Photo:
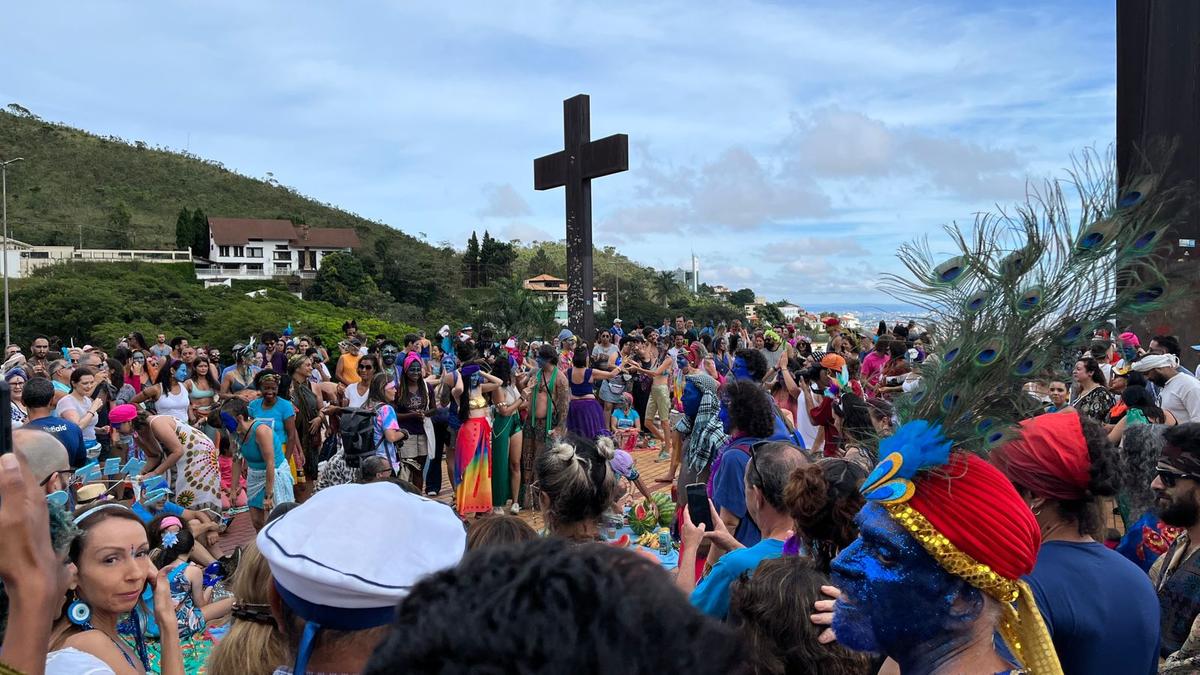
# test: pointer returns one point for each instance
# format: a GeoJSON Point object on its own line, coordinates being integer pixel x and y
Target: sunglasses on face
{"type": "Point", "coordinates": [365, 366]}
{"type": "Point", "coordinates": [1170, 478]}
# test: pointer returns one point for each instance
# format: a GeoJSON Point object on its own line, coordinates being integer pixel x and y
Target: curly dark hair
{"type": "Point", "coordinates": [756, 363]}
{"type": "Point", "coordinates": [770, 611]}
{"type": "Point", "coordinates": [1140, 447]}
{"type": "Point", "coordinates": [856, 419]}
{"type": "Point", "coordinates": [823, 499]}
{"type": "Point", "coordinates": [1085, 511]}
{"type": "Point", "coordinates": [584, 609]}
{"type": "Point", "coordinates": [750, 409]}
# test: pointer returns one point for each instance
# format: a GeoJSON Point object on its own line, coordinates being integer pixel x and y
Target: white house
{"type": "Point", "coordinates": [791, 312]}
{"type": "Point", "coordinates": [24, 258]}
{"type": "Point", "coordinates": [556, 288]}
{"type": "Point", "coordinates": [251, 248]}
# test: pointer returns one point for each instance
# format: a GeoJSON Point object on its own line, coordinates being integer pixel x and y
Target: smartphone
{"type": "Point", "coordinates": [6, 421]}
{"type": "Point", "coordinates": [697, 504]}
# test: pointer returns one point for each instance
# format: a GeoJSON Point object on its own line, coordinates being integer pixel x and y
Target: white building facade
{"type": "Point", "coordinates": [248, 248]}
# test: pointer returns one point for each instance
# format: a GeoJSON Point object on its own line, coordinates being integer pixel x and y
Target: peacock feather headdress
{"type": "Point", "coordinates": [1025, 289]}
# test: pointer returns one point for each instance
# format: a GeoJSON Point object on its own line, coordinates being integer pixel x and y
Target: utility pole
{"type": "Point", "coordinates": [618, 296]}
{"type": "Point", "coordinates": [4, 199]}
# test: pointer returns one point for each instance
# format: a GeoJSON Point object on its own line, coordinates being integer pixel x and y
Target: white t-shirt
{"type": "Point", "coordinates": [1181, 397]}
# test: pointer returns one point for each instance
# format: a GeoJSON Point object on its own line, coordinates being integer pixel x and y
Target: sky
{"type": "Point", "coordinates": [792, 146]}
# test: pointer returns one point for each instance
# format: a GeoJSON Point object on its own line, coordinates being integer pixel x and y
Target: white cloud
{"type": "Point", "coordinates": [525, 232]}
{"type": "Point", "coordinates": [503, 202]}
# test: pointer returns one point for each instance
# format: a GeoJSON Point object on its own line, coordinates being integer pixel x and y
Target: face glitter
{"type": "Point", "coordinates": [896, 597]}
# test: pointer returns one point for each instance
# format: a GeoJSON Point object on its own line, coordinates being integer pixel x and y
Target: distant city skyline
{"type": "Point", "coordinates": [792, 146]}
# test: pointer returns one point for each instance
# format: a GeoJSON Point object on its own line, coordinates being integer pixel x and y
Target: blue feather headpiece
{"type": "Point", "coordinates": [915, 446]}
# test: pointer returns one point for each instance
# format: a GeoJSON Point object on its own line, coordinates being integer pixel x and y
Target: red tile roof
{"type": "Point", "coordinates": [239, 231]}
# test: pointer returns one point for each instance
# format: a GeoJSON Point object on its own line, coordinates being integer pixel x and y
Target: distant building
{"type": "Point", "coordinates": [556, 288]}
{"type": "Point", "coordinates": [24, 258]}
{"type": "Point", "coordinates": [722, 291]}
{"type": "Point", "coordinates": [790, 312]}
{"type": "Point", "coordinates": [250, 248]}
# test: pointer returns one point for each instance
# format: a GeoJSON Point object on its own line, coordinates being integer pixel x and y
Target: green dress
{"type": "Point", "coordinates": [503, 429]}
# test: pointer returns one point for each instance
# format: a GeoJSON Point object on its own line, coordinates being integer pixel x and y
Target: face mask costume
{"type": "Point", "coordinates": [389, 352]}
{"type": "Point", "coordinates": [945, 538]}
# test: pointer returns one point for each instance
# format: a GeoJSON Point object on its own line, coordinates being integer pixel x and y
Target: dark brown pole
{"type": "Point", "coordinates": [576, 133]}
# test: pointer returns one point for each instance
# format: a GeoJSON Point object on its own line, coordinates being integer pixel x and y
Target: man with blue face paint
{"type": "Point", "coordinates": [929, 586]}
{"type": "Point", "coordinates": [749, 364]}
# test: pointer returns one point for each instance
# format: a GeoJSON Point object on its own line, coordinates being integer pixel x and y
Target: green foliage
{"type": "Point", "coordinates": [541, 264]}
{"type": "Point", "coordinates": [741, 297]}
{"type": "Point", "coordinates": [100, 302]}
{"type": "Point", "coordinates": [183, 230]}
{"type": "Point", "coordinates": [770, 314]}
{"type": "Point", "coordinates": [495, 259]}
{"type": "Point", "coordinates": [471, 262]}
{"type": "Point", "coordinates": [341, 280]}
{"type": "Point", "coordinates": [199, 230]}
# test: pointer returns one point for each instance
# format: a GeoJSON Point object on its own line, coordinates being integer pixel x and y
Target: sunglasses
{"type": "Point", "coordinates": [1170, 478]}
{"type": "Point", "coordinates": [366, 366]}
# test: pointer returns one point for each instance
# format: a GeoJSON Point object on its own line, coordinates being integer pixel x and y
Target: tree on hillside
{"type": "Point", "coordinates": [495, 259]}
{"type": "Point", "coordinates": [199, 243]}
{"type": "Point", "coordinates": [741, 297]}
{"type": "Point", "coordinates": [341, 280]}
{"type": "Point", "coordinates": [471, 262]}
{"type": "Point", "coordinates": [540, 264]}
{"type": "Point", "coordinates": [665, 287]}
{"type": "Point", "coordinates": [117, 222]}
{"type": "Point", "coordinates": [770, 314]}
{"type": "Point", "coordinates": [183, 230]}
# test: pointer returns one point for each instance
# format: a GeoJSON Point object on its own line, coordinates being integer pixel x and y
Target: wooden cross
{"type": "Point", "coordinates": [574, 167]}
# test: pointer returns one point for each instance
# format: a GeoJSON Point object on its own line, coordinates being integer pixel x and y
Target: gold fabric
{"type": "Point", "coordinates": [1021, 623]}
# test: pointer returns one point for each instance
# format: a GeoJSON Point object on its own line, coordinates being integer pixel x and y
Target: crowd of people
{"type": "Point", "coordinates": [389, 484]}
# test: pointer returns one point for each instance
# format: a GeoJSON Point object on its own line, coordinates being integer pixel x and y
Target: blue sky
{"type": "Point", "coordinates": [791, 145]}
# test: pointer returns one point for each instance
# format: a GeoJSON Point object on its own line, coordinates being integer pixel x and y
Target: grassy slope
{"type": "Point", "coordinates": [71, 177]}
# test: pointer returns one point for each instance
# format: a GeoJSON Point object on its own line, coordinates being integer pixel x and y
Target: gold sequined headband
{"type": "Point", "coordinates": [1021, 623]}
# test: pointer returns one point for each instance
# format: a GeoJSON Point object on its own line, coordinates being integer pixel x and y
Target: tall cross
{"type": "Point", "coordinates": [574, 167]}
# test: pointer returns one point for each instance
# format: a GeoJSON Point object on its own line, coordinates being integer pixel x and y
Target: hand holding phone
{"type": "Point", "coordinates": [698, 508]}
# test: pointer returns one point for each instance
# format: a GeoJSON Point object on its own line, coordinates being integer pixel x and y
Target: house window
{"type": "Point", "coordinates": [282, 268]}
{"type": "Point", "coordinates": [283, 255]}
{"type": "Point", "coordinates": [281, 247]}
{"type": "Point", "coordinates": [239, 251]}
{"type": "Point", "coordinates": [254, 252]}
{"type": "Point", "coordinates": [224, 251]}
{"type": "Point", "coordinates": [254, 267]}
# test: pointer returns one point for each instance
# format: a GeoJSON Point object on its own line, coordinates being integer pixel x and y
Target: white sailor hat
{"type": "Point", "coordinates": [344, 558]}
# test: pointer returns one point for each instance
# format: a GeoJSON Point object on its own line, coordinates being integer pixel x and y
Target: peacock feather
{"type": "Point", "coordinates": [1025, 289]}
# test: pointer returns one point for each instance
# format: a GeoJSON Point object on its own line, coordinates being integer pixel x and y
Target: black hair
{"type": "Point", "coordinates": [1137, 396]}
{"type": "Point", "coordinates": [773, 464]}
{"type": "Point", "coordinates": [1140, 449]}
{"type": "Point", "coordinates": [410, 339]}
{"type": "Point", "coordinates": [166, 372]}
{"type": "Point", "coordinates": [823, 499]}
{"type": "Point", "coordinates": [856, 418]}
{"type": "Point", "coordinates": [1184, 436]}
{"type": "Point", "coordinates": [116, 373]}
{"type": "Point", "coordinates": [897, 349]}
{"type": "Point", "coordinates": [38, 393]}
{"type": "Point", "coordinates": [750, 409]}
{"type": "Point", "coordinates": [184, 541]}
{"type": "Point", "coordinates": [1102, 481]}
{"type": "Point", "coordinates": [268, 337]}
{"type": "Point", "coordinates": [235, 406]}
{"type": "Point", "coordinates": [579, 358]}
{"type": "Point", "coordinates": [882, 329]}
{"type": "Point", "coordinates": [465, 351]}
{"type": "Point", "coordinates": [546, 352]}
{"type": "Point", "coordinates": [1093, 368]}
{"type": "Point", "coordinates": [502, 369]}
{"type": "Point", "coordinates": [498, 531]}
{"type": "Point", "coordinates": [1168, 342]}
{"type": "Point", "coordinates": [585, 609]}
{"type": "Point", "coordinates": [176, 341]}
{"type": "Point", "coordinates": [756, 363]}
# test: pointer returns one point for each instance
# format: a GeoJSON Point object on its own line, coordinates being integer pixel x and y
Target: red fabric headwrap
{"type": "Point", "coordinates": [1050, 457]}
{"type": "Point", "coordinates": [974, 506]}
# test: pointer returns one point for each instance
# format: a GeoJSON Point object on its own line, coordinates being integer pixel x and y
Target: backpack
{"type": "Point", "coordinates": [357, 434]}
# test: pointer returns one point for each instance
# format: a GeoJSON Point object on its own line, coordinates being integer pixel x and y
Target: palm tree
{"type": "Point", "coordinates": [665, 287]}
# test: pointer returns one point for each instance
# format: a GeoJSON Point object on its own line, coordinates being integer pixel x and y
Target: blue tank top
{"type": "Point", "coordinates": [250, 450]}
{"type": "Point", "coordinates": [583, 388]}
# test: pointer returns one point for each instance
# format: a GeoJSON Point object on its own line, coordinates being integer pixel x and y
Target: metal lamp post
{"type": "Point", "coordinates": [4, 201]}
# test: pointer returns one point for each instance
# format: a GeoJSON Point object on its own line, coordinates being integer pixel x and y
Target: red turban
{"type": "Point", "coordinates": [1050, 457]}
{"type": "Point", "coordinates": [974, 506]}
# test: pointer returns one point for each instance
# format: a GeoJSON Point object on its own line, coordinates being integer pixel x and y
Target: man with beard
{"type": "Point", "coordinates": [39, 360]}
{"type": "Point", "coordinates": [1178, 395]}
{"type": "Point", "coordinates": [1176, 574]}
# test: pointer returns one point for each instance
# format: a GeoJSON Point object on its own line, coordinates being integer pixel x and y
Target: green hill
{"type": "Point", "coordinates": [71, 178]}
{"type": "Point", "coordinates": [120, 193]}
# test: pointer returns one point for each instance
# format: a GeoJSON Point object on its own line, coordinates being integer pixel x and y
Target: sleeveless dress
{"type": "Point", "coordinates": [197, 479]}
{"type": "Point", "coordinates": [195, 641]}
{"type": "Point", "coordinates": [504, 427]}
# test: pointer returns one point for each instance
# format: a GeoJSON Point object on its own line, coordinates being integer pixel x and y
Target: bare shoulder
{"type": "Point", "coordinates": [100, 646]}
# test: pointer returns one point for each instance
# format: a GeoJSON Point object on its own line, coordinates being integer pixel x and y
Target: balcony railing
{"type": "Point", "coordinates": [243, 273]}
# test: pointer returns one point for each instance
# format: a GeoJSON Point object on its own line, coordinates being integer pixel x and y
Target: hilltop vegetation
{"type": "Point", "coordinates": [121, 193]}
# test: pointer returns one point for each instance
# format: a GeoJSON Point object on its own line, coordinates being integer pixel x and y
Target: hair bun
{"type": "Point", "coordinates": [605, 446]}
{"type": "Point", "coordinates": [563, 452]}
